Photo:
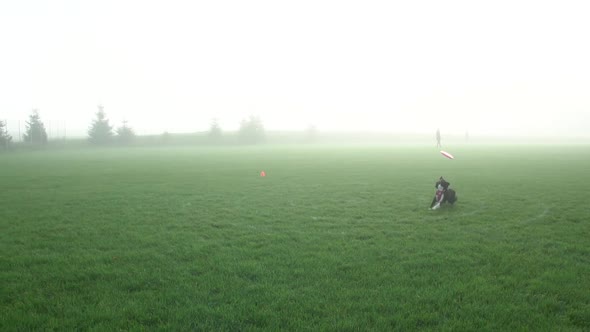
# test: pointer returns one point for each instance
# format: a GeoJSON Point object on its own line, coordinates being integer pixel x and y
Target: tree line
{"type": "Point", "coordinates": [101, 132]}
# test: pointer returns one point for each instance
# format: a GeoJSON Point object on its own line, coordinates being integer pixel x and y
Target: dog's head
{"type": "Point", "coordinates": [443, 183]}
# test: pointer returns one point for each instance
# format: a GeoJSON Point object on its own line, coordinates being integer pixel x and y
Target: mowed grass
{"type": "Point", "coordinates": [333, 238]}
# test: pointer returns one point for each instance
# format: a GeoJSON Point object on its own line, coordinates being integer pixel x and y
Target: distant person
{"type": "Point", "coordinates": [438, 145]}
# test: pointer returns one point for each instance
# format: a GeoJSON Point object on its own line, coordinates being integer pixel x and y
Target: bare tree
{"type": "Point", "coordinates": [252, 130]}
{"type": "Point", "coordinates": [215, 132]}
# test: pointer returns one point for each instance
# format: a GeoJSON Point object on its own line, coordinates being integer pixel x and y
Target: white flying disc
{"type": "Point", "coordinates": [446, 154]}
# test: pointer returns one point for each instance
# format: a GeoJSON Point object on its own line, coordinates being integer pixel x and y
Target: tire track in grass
{"type": "Point", "coordinates": [540, 216]}
{"type": "Point", "coordinates": [521, 219]}
{"type": "Point", "coordinates": [482, 207]}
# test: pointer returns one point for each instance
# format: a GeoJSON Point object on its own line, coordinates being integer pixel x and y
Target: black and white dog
{"type": "Point", "coordinates": [443, 194]}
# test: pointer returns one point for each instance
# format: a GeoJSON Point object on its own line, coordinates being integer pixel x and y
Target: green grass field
{"type": "Point", "coordinates": [333, 238]}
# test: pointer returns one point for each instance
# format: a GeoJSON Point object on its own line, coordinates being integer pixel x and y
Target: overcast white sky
{"type": "Point", "coordinates": [490, 67]}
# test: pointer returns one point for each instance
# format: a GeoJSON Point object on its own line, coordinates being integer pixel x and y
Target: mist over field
{"type": "Point", "coordinates": [501, 69]}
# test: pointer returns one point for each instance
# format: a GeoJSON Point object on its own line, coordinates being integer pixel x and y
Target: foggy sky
{"type": "Point", "coordinates": [495, 67]}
